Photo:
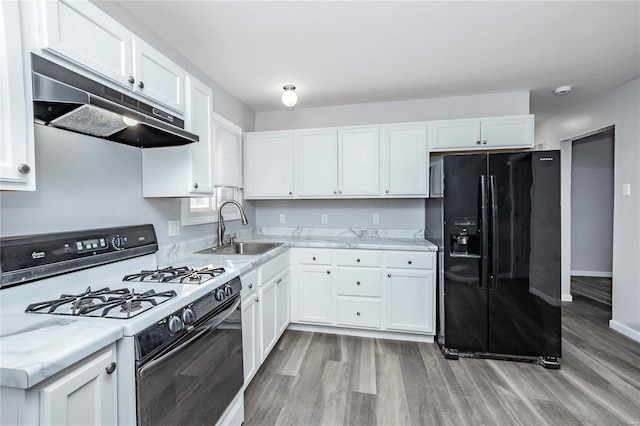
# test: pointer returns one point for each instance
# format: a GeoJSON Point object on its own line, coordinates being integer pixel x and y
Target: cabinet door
{"type": "Point", "coordinates": [157, 77]}
{"type": "Point", "coordinates": [268, 319]}
{"type": "Point", "coordinates": [359, 161]}
{"type": "Point", "coordinates": [268, 165]}
{"type": "Point", "coordinates": [199, 121]}
{"type": "Point", "coordinates": [250, 336]}
{"type": "Point", "coordinates": [16, 114]}
{"type": "Point", "coordinates": [81, 32]}
{"type": "Point", "coordinates": [507, 132]}
{"type": "Point", "coordinates": [84, 396]}
{"type": "Point", "coordinates": [315, 294]}
{"type": "Point", "coordinates": [451, 135]}
{"type": "Point", "coordinates": [282, 309]}
{"type": "Point", "coordinates": [410, 300]}
{"type": "Point", "coordinates": [318, 163]}
{"type": "Point", "coordinates": [405, 160]}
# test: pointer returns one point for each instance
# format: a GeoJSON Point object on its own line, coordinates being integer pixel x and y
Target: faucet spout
{"type": "Point", "coordinates": [221, 225]}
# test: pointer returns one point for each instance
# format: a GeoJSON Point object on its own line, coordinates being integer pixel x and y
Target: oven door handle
{"type": "Point", "coordinates": [155, 363]}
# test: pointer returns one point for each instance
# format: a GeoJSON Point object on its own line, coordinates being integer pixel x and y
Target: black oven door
{"type": "Point", "coordinates": [193, 381]}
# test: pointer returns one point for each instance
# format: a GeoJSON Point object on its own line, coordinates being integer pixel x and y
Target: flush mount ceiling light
{"type": "Point", "coordinates": [289, 96]}
{"type": "Point", "coordinates": [562, 90]}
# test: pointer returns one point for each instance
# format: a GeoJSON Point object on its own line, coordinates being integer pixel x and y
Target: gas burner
{"type": "Point", "coordinates": [179, 275]}
{"type": "Point", "coordinates": [102, 303]}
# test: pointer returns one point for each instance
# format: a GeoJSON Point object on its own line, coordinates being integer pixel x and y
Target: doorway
{"type": "Point", "coordinates": [592, 191]}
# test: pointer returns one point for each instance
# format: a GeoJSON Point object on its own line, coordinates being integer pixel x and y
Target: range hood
{"type": "Point", "coordinates": [70, 101]}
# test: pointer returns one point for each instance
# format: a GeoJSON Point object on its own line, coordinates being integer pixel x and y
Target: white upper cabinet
{"type": "Point", "coordinates": [482, 134]}
{"type": "Point", "coordinates": [405, 160]}
{"type": "Point", "coordinates": [269, 164]}
{"type": "Point", "coordinates": [82, 33]}
{"type": "Point", "coordinates": [339, 162]}
{"type": "Point", "coordinates": [17, 156]}
{"type": "Point", "coordinates": [184, 171]}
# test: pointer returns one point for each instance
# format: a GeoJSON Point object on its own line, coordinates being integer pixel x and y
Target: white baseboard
{"type": "Point", "coordinates": [598, 274]}
{"type": "Point", "coordinates": [626, 330]}
{"type": "Point", "coordinates": [567, 298]}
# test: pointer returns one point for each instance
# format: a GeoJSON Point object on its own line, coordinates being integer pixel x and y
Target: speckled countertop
{"type": "Point", "coordinates": [32, 348]}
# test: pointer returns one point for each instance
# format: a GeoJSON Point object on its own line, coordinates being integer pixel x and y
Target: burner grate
{"type": "Point", "coordinates": [179, 275]}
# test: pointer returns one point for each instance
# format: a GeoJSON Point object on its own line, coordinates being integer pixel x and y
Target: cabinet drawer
{"type": "Point", "coordinates": [359, 312]}
{"type": "Point", "coordinates": [411, 259]}
{"type": "Point", "coordinates": [314, 256]}
{"type": "Point", "coordinates": [249, 281]}
{"type": "Point", "coordinates": [359, 282]}
{"type": "Point", "coordinates": [274, 266]}
{"type": "Point", "coordinates": [358, 258]}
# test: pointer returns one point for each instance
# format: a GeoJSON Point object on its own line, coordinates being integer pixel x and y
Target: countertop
{"type": "Point", "coordinates": [30, 345]}
{"type": "Point", "coordinates": [35, 347]}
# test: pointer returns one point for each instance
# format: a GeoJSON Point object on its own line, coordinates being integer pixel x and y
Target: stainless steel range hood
{"type": "Point", "coordinates": [70, 101]}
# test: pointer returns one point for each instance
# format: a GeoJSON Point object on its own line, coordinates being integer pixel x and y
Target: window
{"type": "Point", "coordinates": [196, 211]}
{"type": "Point", "coordinates": [227, 177]}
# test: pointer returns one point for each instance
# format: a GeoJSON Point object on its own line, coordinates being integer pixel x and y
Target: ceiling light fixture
{"type": "Point", "coordinates": [289, 96]}
{"type": "Point", "coordinates": [562, 90]}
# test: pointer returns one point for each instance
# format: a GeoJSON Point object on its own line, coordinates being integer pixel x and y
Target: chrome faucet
{"type": "Point", "coordinates": [221, 225]}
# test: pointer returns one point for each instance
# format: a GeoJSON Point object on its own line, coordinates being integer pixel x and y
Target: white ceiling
{"type": "Point", "coordinates": [344, 52]}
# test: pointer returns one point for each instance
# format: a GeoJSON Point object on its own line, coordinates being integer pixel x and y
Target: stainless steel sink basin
{"type": "Point", "coordinates": [248, 248]}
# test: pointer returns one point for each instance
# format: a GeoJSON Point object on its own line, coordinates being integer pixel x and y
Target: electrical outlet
{"type": "Point", "coordinates": [282, 218]}
{"type": "Point", "coordinates": [324, 218]}
{"type": "Point", "coordinates": [174, 228]}
{"type": "Point", "coordinates": [376, 218]}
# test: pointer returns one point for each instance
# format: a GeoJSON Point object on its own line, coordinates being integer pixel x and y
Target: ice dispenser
{"type": "Point", "coordinates": [465, 238]}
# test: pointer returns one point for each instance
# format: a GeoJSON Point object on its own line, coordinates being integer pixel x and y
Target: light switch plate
{"type": "Point", "coordinates": [324, 218]}
{"type": "Point", "coordinates": [174, 228]}
{"type": "Point", "coordinates": [626, 190]}
{"type": "Point", "coordinates": [282, 218]}
{"type": "Point", "coordinates": [376, 218]}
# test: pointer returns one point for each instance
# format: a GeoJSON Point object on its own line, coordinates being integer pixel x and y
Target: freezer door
{"type": "Point", "coordinates": [465, 293]}
{"type": "Point", "coordinates": [524, 287]}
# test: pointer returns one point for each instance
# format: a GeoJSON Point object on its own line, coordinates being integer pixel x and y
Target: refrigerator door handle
{"type": "Point", "coordinates": [494, 233]}
{"type": "Point", "coordinates": [484, 233]}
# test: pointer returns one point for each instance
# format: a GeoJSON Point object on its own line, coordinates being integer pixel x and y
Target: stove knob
{"type": "Point", "coordinates": [118, 242]}
{"type": "Point", "coordinates": [175, 324]}
{"type": "Point", "coordinates": [228, 290]}
{"type": "Point", "coordinates": [220, 295]}
{"type": "Point", "coordinates": [188, 316]}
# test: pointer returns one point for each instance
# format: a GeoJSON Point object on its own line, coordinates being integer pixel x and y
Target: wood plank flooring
{"type": "Point", "coordinates": [321, 379]}
{"type": "Point", "coordinates": [595, 288]}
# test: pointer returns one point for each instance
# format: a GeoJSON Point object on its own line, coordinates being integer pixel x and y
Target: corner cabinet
{"type": "Point", "coordinates": [82, 33]}
{"type": "Point", "coordinates": [269, 164]}
{"type": "Point", "coordinates": [184, 171]}
{"type": "Point", "coordinates": [17, 157]}
{"type": "Point", "coordinates": [482, 134]}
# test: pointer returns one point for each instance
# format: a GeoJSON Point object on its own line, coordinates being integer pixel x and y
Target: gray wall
{"type": "Point", "coordinates": [620, 108]}
{"type": "Point", "coordinates": [592, 205]}
{"type": "Point", "coordinates": [394, 214]}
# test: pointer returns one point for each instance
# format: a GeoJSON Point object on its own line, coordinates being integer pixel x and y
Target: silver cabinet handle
{"type": "Point", "coordinates": [340, 192]}
{"type": "Point", "coordinates": [141, 85]}
{"type": "Point", "coordinates": [279, 281]}
{"type": "Point", "coordinates": [111, 368]}
{"type": "Point", "coordinates": [195, 185]}
{"type": "Point", "coordinates": [131, 79]}
{"type": "Point", "coordinates": [314, 258]}
{"type": "Point", "coordinates": [290, 193]}
{"type": "Point", "coordinates": [257, 300]}
{"type": "Point", "coordinates": [328, 272]}
{"type": "Point", "coordinates": [358, 313]}
{"type": "Point", "coordinates": [24, 169]}
{"type": "Point", "coordinates": [484, 142]}
{"type": "Point", "coordinates": [335, 192]}
{"type": "Point", "coordinates": [389, 275]}
{"type": "Point", "coordinates": [357, 282]}
{"type": "Point", "coordinates": [358, 260]}
{"type": "Point", "coordinates": [409, 262]}
{"type": "Point", "coordinates": [250, 285]}
{"type": "Point", "coordinates": [477, 142]}
{"type": "Point", "coordinates": [386, 191]}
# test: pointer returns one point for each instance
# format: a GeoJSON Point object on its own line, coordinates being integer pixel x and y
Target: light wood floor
{"type": "Point", "coordinates": [321, 379]}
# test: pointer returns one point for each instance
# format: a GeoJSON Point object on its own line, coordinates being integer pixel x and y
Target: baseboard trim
{"type": "Point", "coordinates": [391, 335]}
{"type": "Point", "coordinates": [626, 330]}
{"type": "Point", "coordinates": [567, 298]}
{"type": "Point", "coordinates": [596, 274]}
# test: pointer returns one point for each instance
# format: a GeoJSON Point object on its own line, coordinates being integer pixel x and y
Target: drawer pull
{"type": "Point", "coordinates": [409, 262]}
{"type": "Point", "coordinates": [250, 285]}
{"type": "Point", "coordinates": [389, 275]}
{"type": "Point", "coordinates": [358, 260]}
{"type": "Point", "coordinates": [111, 368]}
{"type": "Point", "coordinates": [328, 272]}
{"type": "Point", "coordinates": [357, 282]}
{"type": "Point", "coordinates": [358, 313]}
{"type": "Point", "coordinates": [279, 281]}
{"type": "Point", "coordinates": [257, 300]}
{"type": "Point", "coordinates": [314, 258]}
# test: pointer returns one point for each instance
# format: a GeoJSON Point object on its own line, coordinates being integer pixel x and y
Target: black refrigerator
{"type": "Point", "coordinates": [501, 287]}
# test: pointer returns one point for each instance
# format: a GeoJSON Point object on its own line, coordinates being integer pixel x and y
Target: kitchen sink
{"type": "Point", "coordinates": [248, 248]}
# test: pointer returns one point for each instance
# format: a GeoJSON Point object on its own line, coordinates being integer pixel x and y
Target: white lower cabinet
{"type": "Point", "coordinates": [85, 395]}
{"type": "Point", "coordinates": [373, 289]}
{"type": "Point", "coordinates": [265, 311]}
